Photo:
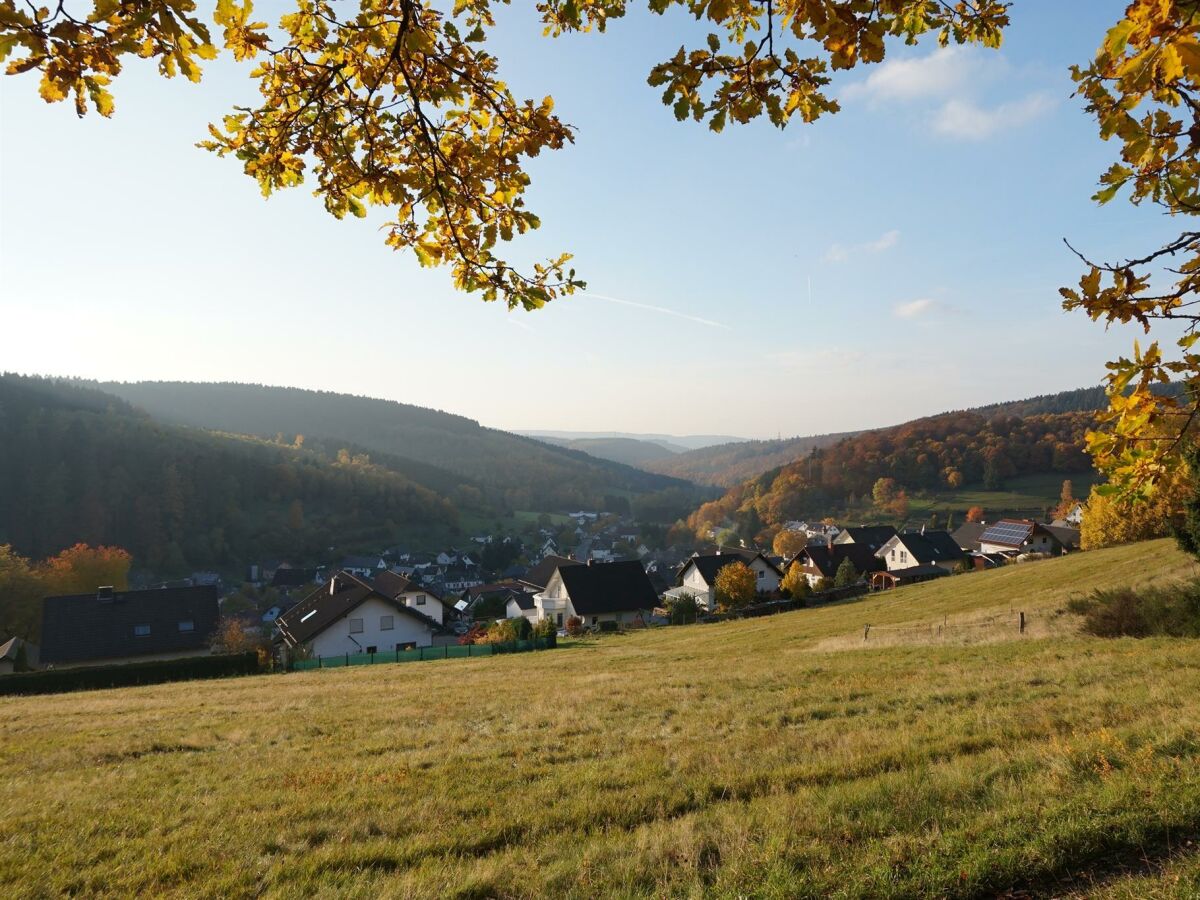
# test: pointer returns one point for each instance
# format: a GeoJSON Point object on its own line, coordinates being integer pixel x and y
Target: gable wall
{"type": "Point", "coordinates": [336, 639]}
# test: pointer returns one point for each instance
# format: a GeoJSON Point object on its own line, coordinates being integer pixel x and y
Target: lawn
{"type": "Point", "coordinates": [732, 759]}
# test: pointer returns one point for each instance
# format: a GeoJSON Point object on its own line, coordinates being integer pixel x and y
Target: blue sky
{"type": "Point", "coordinates": [897, 259]}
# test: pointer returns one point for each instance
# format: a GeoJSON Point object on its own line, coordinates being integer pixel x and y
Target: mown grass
{"type": "Point", "coordinates": [721, 760]}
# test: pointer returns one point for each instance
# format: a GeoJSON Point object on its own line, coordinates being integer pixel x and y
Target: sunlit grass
{"type": "Point", "coordinates": [706, 760]}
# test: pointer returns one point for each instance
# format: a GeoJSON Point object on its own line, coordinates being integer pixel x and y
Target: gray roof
{"type": "Point", "coordinates": [94, 627]}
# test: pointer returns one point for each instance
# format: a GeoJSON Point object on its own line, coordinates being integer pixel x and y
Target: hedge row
{"type": "Point", "coordinates": [57, 681]}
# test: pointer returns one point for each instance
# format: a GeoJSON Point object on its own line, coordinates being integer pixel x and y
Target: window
{"type": "Point", "coordinates": [187, 625]}
{"type": "Point", "coordinates": [761, 573]}
{"type": "Point", "coordinates": [558, 620]}
{"type": "Point", "coordinates": [407, 645]}
{"type": "Point", "coordinates": [387, 623]}
{"type": "Point", "coordinates": [356, 626]}
{"type": "Point", "coordinates": [420, 599]}
{"type": "Point", "coordinates": [372, 649]}
{"type": "Point", "coordinates": [903, 556]}
{"type": "Point", "coordinates": [595, 620]}
{"type": "Point", "coordinates": [141, 631]}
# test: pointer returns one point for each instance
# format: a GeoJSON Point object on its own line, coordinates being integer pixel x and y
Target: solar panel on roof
{"type": "Point", "coordinates": [1006, 533]}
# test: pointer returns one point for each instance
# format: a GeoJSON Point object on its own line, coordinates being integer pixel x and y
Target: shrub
{"type": "Point", "coordinates": [574, 626]}
{"type": "Point", "coordinates": [683, 610]}
{"type": "Point", "coordinates": [1171, 610]}
{"type": "Point", "coordinates": [475, 636]}
{"type": "Point", "coordinates": [545, 627]}
{"type": "Point", "coordinates": [56, 681]}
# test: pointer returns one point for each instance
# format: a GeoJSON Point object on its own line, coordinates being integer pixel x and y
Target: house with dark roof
{"type": "Point", "coordinates": [599, 592]}
{"type": "Point", "coordinates": [1016, 536]}
{"type": "Point", "coordinates": [820, 561]}
{"type": "Point", "coordinates": [287, 579]}
{"type": "Point", "coordinates": [698, 577]}
{"type": "Point", "coordinates": [873, 536]}
{"type": "Point", "coordinates": [107, 626]}
{"type": "Point", "coordinates": [539, 576]}
{"type": "Point", "coordinates": [967, 535]}
{"type": "Point", "coordinates": [521, 603]}
{"type": "Point", "coordinates": [922, 548]}
{"type": "Point", "coordinates": [349, 614]}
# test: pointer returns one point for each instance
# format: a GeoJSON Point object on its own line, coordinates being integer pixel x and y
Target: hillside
{"type": "Point", "coordinates": [940, 455]}
{"type": "Point", "coordinates": [630, 451]}
{"type": "Point", "coordinates": [727, 465]}
{"type": "Point", "coordinates": [80, 465]}
{"type": "Point", "coordinates": [721, 760]}
{"type": "Point", "coordinates": [510, 471]}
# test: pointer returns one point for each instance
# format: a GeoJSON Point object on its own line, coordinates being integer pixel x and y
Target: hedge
{"type": "Point", "coordinates": [57, 681]}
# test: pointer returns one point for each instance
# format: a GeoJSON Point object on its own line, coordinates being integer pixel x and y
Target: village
{"type": "Point", "coordinates": [382, 606]}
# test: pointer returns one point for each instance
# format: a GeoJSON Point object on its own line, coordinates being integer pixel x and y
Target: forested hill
{"type": "Point", "coordinates": [728, 465]}
{"type": "Point", "coordinates": [725, 465]}
{"type": "Point", "coordinates": [77, 464]}
{"type": "Point", "coordinates": [495, 468]}
{"type": "Point", "coordinates": [939, 453]}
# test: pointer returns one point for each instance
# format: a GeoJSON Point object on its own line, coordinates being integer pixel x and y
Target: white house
{"type": "Point", "coordinates": [699, 574]}
{"type": "Point", "coordinates": [363, 566]}
{"type": "Point", "coordinates": [1019, 536]}
{"type": "Point", "coordinates": [613, 592]}
{"type": "Point", "coordinates": [352, 615]}
{"type": "Point", "coordinates": [922, 548]}
{"type": "Point", "coordinates": [521, 603]}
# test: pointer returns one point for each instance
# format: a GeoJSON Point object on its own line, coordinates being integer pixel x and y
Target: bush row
{"type": "Point", "coordinates": [57, 681]}
{"type": "Point", "coordinates": [1172, 610]}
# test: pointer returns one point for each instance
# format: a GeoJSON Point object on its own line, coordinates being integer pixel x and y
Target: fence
{"type": "Point", "coordinates": [449, 651]}
{"type": "Point", "coordinates": [989, 627]}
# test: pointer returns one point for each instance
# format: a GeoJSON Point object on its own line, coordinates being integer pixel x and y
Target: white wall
{"type": "Point", "coordinates": [765, 579]}
{"type": "Point", "coordinates": [426, 603]}
{"type": "Point", "coordinates": [512, 610]}
{"type": "Point", "coordinates": [337, 639]}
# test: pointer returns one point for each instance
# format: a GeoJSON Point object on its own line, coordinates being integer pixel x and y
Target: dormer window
{"type": "Point", "coordinates": [187, 625]}
{"type": "Point", "coordinates": [141, 631]}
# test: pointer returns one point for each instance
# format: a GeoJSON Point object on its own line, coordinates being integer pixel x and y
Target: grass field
{"type": "Point", "coordinates": [767, 757]}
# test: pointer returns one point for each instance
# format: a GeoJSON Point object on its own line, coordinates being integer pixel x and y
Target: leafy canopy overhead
{"type": "Point", "coordinates": [398, 104]}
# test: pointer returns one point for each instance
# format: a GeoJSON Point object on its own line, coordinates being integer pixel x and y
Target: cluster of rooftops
{"type": "Point", "coordinates": [108, 625]}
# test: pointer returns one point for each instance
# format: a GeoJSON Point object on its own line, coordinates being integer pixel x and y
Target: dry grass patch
{"type": "Point", "coordinates": [707, 761]}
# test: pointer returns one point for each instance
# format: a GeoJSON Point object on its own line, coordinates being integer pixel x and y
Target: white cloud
{"type": "Point", "coordinates": [953, 78]}
{"type": "Point", "coordinates": [914, 309]}
{"type": "Point", "coordinates": [940, 74]}
{"type": "Point", "coordinates": [968, 121]}
{"type": "Point", "coordinates": [838, 253]}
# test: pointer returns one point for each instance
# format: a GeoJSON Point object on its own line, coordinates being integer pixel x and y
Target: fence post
{"type": "Point", "coordinates": [1022, 623]}
{"type": "Point", "coordinates": [866, 631]}
{"type": "Point", "coordinates": [445, 651]}
{"type": "Point", "coordinates": [347, 658]}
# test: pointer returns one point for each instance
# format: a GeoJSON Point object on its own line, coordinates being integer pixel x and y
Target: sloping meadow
{"type": "Point", "coordinates": [730, 759]}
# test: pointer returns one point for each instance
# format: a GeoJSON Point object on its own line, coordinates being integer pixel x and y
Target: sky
{"type": "Point", "coordinates": [898, 259]}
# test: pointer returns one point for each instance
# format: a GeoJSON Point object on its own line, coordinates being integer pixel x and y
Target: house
{"type": "Point", "coordinates": [415, 595]}
{"type": "Point", "coordinates": [1016, 536]}
{"type": "Point", "coordinates": [698, 577]}
{"type": "Point", "coordinates": [363, 566]}
{"type": "Point", "coordinates": [823, 560]}
{"type": "Point", "coordinates": [873, 536]}
{"type": "Point", "coordinates": [1074, 515]}
{"type": "Point", "coordinates": [1065, 535]}
{"type": "Point", "coordinates": [108, 626]}
{"type": "Point", "coordinates": [613, 592]}
{"type": "Point", "coordinates": [521, 603]}
{"type": "Point", "coordinates": [287, 579]}
{"type": "Point", "coordinates": [549, 548]}
{"type": "Point", "coordinates": [968, 534]}
{"type": "Point", "coordinates": [349, 614]}
{"type": "Point", "coordinates": [539, 576]}
{"type": "Point", "coordinates": [922, 548]}
{"type": "Point", "coordinates": [17, 655]}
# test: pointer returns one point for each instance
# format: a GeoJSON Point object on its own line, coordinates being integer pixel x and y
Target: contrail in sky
{"type": "Point", "coordinates": [658, 309]}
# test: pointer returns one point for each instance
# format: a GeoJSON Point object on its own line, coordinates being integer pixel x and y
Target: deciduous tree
{"type": "Point", "coordinates": [735, 586]}
{"type": "Point", "coordinates": [795, 583]}
{"type": "Point", "coordinates": [789, 543]}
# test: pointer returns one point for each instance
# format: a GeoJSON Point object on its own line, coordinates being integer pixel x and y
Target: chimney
{"type": "Point", "coordinates": [922, 529]}
{"type": "Point", "coordinates": [105, 594]}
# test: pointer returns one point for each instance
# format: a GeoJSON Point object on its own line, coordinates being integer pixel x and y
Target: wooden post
{"type": "Point", "coordinates": [866, 631]}
{"type": "Point", "coordinates": [1022, 623]}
